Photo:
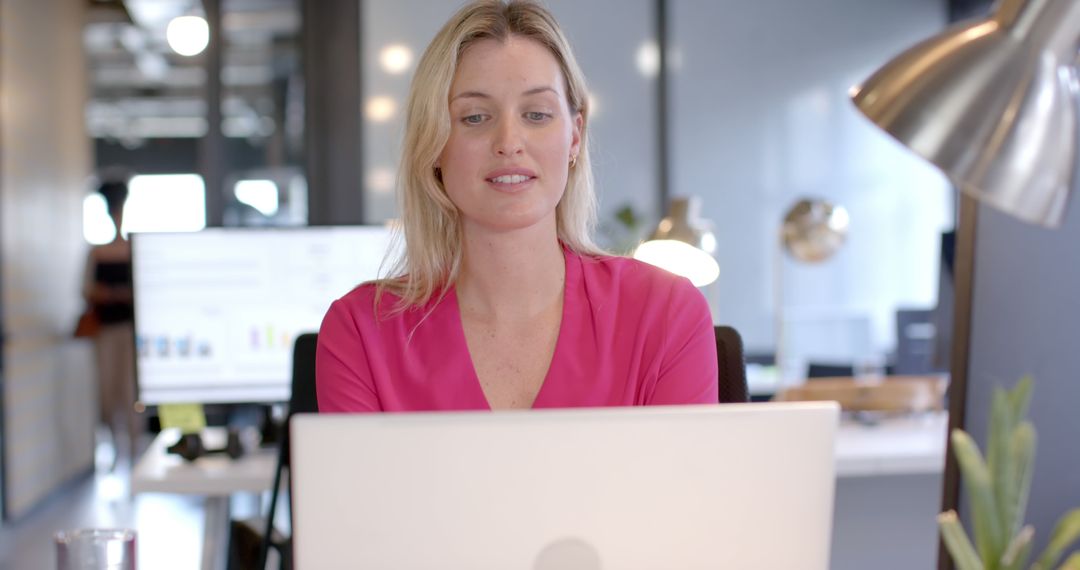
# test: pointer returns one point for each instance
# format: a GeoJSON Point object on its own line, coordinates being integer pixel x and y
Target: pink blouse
{"type": "Point", "coordinates": [631, 335]}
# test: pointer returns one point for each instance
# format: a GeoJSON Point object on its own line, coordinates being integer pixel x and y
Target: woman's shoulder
{"type": "Point", "coordinates": [637, 290]}
{"type": "Point", "coordinates": [378, 301]}
{"type": "Point", "coordinates": [627, 273]}
{"type": "Point", "coordinates": [365, 298]}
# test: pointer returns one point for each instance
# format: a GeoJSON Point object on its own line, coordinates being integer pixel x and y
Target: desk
{"type": "Point", "coordinates": [888, 493]}
{"type": "Point", "coordinates": [888, 489]}
{"type": "Point", "coordinates": [908, 445]}
{"type": "Point", "coordinates": [216, 477]}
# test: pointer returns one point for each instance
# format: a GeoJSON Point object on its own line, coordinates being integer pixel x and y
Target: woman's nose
{"type": "Point", "coordinates": [508, 139]}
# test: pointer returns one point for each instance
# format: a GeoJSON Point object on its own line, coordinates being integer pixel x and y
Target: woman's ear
{"type": "Point", "coordinates": [575, 134]}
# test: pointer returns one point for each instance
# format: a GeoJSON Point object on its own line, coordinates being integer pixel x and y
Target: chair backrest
{"type": "Point", "coordinates": [303, 399]}
{"type": "Point", "coordinates": [731, 366]}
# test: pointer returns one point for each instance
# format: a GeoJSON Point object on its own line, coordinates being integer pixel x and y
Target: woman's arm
{"type": "Point", "coordinates": [688, 363]}
{"type": "Point", "coordinates": [342, 375]}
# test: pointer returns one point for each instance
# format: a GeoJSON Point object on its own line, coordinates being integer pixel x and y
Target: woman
{"type": "Point", "coordinates": [501, 299]}
{"type": "Point", "coordinates": [107, 288]}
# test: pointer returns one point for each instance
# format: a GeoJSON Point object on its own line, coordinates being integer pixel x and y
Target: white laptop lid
{"type": "Point", "coordinates": [734, 486]}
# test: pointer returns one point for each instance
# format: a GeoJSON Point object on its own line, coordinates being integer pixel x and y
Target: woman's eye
{"type": "Point", "coordinates": [536, 116]}
{"type": "Point", "coordinates": [473, 119]}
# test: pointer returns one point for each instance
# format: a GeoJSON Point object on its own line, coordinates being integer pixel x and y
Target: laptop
{"type": "Point", "coordinates": [743, 486]}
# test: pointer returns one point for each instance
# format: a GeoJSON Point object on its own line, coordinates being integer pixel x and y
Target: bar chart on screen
{"type": "Point", "coordinates": [217, 311]}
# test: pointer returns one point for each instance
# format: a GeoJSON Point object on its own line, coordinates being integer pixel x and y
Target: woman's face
{"type": "Point", "coordinates": [512, 135]}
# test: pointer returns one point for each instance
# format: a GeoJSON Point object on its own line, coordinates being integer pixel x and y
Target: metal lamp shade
{"type": "Point", "coordinates": [992, 104]}
{"type": "Point", "coordinates": [813, 230]}
{"type": "Point", "coordinates": [682, 244]}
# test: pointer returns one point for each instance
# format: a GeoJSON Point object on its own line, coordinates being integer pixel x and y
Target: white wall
{"type": "Point", "coordinates": [48, 395]}
{"type": "Point", "coordinates": [761, 117]}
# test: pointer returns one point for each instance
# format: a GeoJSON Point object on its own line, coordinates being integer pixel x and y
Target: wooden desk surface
{"type": "Point", "coordinates": [884, 394]}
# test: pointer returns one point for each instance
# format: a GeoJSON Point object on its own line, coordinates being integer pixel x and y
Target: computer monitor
{"type": "Point", "coordinates": [710, 486]}
{"type": "Point", "coordinates": [216, 311]}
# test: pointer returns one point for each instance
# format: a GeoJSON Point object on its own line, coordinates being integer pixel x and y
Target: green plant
{"type": "Point", "coordinates": [998, 492]}
{"type": "Point", "coordinates": [622, 233]}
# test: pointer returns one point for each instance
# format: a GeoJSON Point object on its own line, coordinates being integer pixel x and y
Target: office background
{"type": "Point", "coordinates": [757, 117]}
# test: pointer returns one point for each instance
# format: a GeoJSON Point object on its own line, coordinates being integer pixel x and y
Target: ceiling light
{"type": "Point", "coordinates": [188, 35]}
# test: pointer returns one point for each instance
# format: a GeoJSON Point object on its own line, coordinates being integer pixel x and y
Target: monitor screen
{"type": "Point", "coordinates": [216, 311]}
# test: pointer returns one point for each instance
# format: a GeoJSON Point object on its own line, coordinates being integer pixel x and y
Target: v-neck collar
{"type": "Point", "coordinates": [571, 287]}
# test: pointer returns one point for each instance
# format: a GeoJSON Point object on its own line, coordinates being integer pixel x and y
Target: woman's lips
{"type": "Point", "coordinates": [510, 179]}
{"type": "Point", "coordinates": [511, 184]}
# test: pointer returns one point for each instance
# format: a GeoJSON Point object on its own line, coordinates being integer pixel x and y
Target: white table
{"type": "Point", "coordinates": [908, 445]}
{"type": "Point", "coordinates": [888, 493]}
{"type": "Point", "coordinates": [216, 477]}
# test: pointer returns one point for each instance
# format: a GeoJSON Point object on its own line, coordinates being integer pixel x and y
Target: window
{"type": "Point", "coordinates": [156, 203]}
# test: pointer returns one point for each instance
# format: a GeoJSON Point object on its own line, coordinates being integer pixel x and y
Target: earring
{"type": "Point", "coordinates": [573, 161]}
{"type": "Point", "coordinates": [438, 173]}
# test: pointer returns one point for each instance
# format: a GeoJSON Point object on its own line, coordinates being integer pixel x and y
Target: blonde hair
{"type": "Point", "coordinates": [430, 223]}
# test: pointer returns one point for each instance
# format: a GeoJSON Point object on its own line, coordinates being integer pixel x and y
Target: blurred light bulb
{"type": "Point", "coordinates": [396, 58]}
{"type": "Point", "coordinates": [648, 59]}
{"type": "Point", "coordinates": [188, 35]}
{"type": "Point", "coordinates": [380, 109]}
{"type": "Point", "coordinates": [381, 180]}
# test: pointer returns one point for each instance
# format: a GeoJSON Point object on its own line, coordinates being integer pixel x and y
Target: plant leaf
{"type": "Point", "coordinates": [1072, 563]}
{"type": "Point", "coordinates": [1066, 531]}
{"type": "Point", "coordinates": [989, 535]}
{"type": "Point", "coordinates": [1019, 550]}
{"type": "Point", "coordinates": [999, 458]}
{"type": "Point", "coordinates": [958, 543]}
{"type": "Point", "coordinates": [1022, 450]}
{"type": "Point", "coordinates": [1021, 397]}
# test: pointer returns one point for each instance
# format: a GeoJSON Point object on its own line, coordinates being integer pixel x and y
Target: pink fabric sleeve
{"type": "Point", "coordinates": [688, 364]}
{"type": "Point", "coordinates": [343, 377]}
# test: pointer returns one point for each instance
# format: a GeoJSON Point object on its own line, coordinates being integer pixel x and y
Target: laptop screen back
{"type": "Point", "coordinates": [734, 486]}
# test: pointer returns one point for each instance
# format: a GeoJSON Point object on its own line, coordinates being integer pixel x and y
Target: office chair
{"type": "Point", "coordinates": [731, 366]}
{"type": "Point", "coordinates": [916, 342]}
{"type": "Point", "coordinates": [302, 400]}
{"type": "Point", "coordinates": [829, 370]}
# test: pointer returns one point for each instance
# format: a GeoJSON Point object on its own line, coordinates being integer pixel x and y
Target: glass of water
{"type": "Point", "coordinates": [95, 549]}
{"type": "Point", "coordinates": [870, 368]}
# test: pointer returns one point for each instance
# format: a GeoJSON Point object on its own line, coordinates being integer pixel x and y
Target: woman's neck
{"type": "Point", "coordinates": [512, 275]}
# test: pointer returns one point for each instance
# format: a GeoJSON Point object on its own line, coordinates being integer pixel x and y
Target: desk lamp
{"type": "Point", "coordinates": [683, 244]}
{"type": "Point", "coordinates": [992, 103]}
{"type": "Point", "coordinates": [812, 231]}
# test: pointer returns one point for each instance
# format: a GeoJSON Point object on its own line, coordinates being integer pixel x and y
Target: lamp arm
{"type": "Point", "coordinates": [779, 353]}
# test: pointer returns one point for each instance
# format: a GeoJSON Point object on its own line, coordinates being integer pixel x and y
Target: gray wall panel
{"type": "Point", "coordinates": [1026, 320]}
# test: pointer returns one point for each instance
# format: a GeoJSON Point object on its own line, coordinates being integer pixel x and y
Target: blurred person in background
{"type": "Point", "coordinates": [107, 290]}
